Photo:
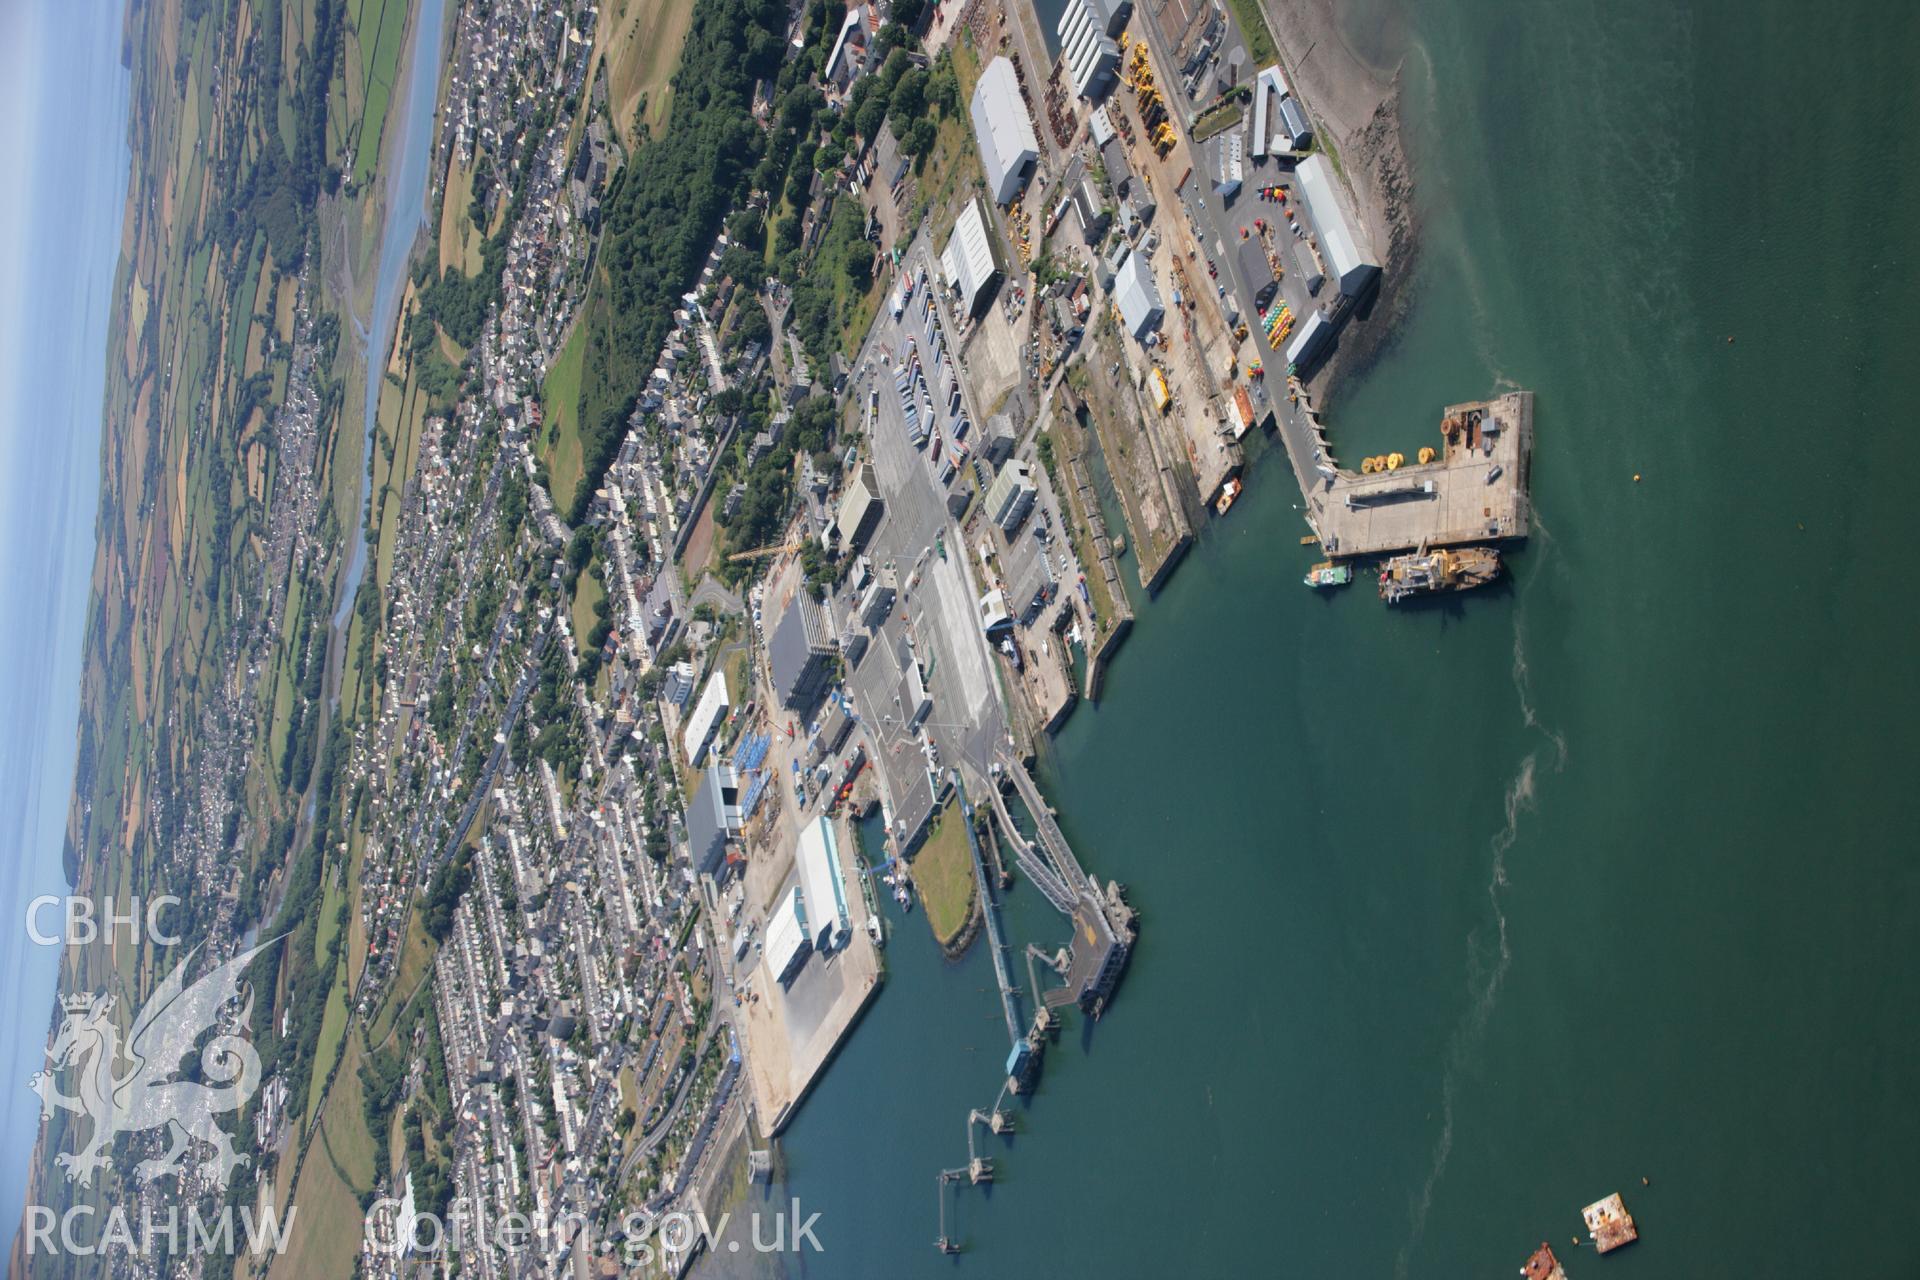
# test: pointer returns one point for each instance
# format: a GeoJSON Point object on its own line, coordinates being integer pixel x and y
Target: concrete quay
{"type": "Point", "coordinates": [792, 1032]}
{"type": "Point", "coordinates": [1474, 490]}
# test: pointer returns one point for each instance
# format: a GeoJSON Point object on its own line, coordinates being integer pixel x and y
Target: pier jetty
{"type": "Point", "coordinates": [1472, 486]}
{"type": "Point", "coordinates": [1104, 926]}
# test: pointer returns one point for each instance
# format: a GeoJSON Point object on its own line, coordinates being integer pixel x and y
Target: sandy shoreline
{"type": "Point", "coordinates": [1354, 99]}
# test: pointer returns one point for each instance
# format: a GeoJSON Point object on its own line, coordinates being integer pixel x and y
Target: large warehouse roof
{"type": "Point", "coordinates": [1003, 129]}
{"type": "Point", "coordinates": [799, 652]}
{"type": "Point", "coordinates": [1138, 298]}
{"type": "Point", "coordinates": [1256, 271]}
{"type": "Point", "coordinates": [706, 717]}
{"type": "Point", "coordinates": [1088, 51]}
{"type": "Point", "coordinates": [786, 937]}
{"type": "Point", "coordinates": [826, 894]}
{"type": "Point", "coordinates": [973, 260]}
{"type": "Point", "coordinates": [860, 508]}
{"type": "Point", "coordinates": [1306, 344]}
{"type": "Point", "coordinates": [1347, 254]}
{"type": "Point", "coordinates": [713, 817]}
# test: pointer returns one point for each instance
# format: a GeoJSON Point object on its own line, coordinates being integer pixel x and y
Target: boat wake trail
{"type": "Point", "coordinates": [1522, 673]}
{"type": "Point", "coordinates": [1485, 971]}
{"type": "Point", "coordinates": [1523, 686]}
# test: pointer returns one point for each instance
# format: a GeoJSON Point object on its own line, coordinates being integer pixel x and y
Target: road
{"type": "Point", "coordinates": [652, 1138]}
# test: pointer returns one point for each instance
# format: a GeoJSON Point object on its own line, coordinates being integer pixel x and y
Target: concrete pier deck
{"type": "Point", "coordinates": [1475, 489]}
{"type": "Point", "coordinates": [792, 1032]}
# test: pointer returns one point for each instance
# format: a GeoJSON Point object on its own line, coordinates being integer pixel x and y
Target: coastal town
{"type": "Point", "coordinates": [650, 714]}
{"type": "Point", "coordinates": [921, 639]}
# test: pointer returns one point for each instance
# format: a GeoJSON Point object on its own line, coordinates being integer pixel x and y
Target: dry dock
{"type": "Point", "coordinates": [1473, 490]}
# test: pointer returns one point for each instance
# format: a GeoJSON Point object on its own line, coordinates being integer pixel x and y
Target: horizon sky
{"type": "Point", "coordinates": [63, 118]}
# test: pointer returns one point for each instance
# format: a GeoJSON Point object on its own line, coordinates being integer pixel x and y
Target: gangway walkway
{"type": "Point", "coordinates": [990, 908]}
{"type": "Point", "coordinates": [1029, 860]}
{"type": "Point", "coordinates": [1052, 840]}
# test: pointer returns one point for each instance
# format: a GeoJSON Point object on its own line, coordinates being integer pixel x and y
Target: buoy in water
{"type": "Point", "coordinates": [1636, 477]}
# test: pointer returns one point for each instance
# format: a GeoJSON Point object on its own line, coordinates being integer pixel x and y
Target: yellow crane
{"type": "Point", "coordinates": [777, 549]}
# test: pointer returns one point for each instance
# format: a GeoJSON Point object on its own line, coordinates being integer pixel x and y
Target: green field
{"type": "Point", "coordinates": [943, 873]}
{"type": "Point", "coordinates": [380, 28]}
{"type": "Point", "coordinates": [952, 169]}
{"type": "Point", "coordinates": [283, 681]}
{"type": "Point", "coordinates": [333, 1030]}
{"type": "Point", "coordinates": [416, 956]}
{"type": "Point", "coordinates": [853, 312]}
{"type": "Point", "coordinates": [328, 1228]}
{"type": "Point", "coordinates": [397, 450]}
{"type": "Point", "coordinates": [344, 1128]}
{"type": "Point", "coordinates": [739, 668]}
{"type": "Point", "coordinates": [587, 593]}
{"type": "Point", "coordinates": [560, 445]}
{"type": "Point", "coordinates": [642, 55]}
{"type": "Point", "coordinates": [327, 926]}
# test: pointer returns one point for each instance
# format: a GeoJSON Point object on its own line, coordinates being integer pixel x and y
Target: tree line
{"type": "Point", "coordinates": [664, 209]}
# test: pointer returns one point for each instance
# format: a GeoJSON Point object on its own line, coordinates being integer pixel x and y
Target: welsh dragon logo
{"type": "Point", "coordinates": [147, 1094]}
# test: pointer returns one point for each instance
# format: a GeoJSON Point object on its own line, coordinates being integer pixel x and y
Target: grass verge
{"type": "Point", "coordinates": [1253, 29]}
{"type": "Point", "coordinates": [943, 873]}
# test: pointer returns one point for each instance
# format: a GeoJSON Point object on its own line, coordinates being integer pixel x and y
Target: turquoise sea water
{"type": "Point", "coordinates": [1457, 919]}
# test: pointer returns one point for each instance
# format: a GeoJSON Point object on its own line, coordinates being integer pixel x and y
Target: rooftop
{"type": "Point", "coordinates": [1348, 256]}
{"type": "Point", "coordinates": [1002, 127]}
{"type": "Point", "coordinates": [1136, 294]}
{"type": "Point", "coordinates": [973, 259]}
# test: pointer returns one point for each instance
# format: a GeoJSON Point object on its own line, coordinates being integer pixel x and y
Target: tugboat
{"type": "Point", "coordinates": [1329, 574]}
{"type": "Point", "coordinates": [1427, 572]}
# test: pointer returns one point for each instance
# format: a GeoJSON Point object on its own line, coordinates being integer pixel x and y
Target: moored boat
{"type": "Point", "coordinates": [1329, 574]}
{"type": "Point", "coordinates": [1427, 572]}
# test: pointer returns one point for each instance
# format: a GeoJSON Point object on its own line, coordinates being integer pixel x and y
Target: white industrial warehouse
{"type": "Point", "coordinates": [974, 261]}
{"type": "Point", "coordinates": [1138, 297]}
{"type": "Point", "coordinates": [1088, 49]}
{"type": "Point", "coordinates": [818, 857]}
{"type": "Point", "coordinates": [1269, 87]}
{"type": "Point", "coordinates": [1003, 129]}
{"type": "Point", "coordinates": [705, 718]}
{"type": "Point", "coordinates": [787, 944]}
{"type": "Point", "coordinates": [1348, 259]}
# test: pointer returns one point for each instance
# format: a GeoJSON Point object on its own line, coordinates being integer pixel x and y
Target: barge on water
{"type": "Point", "coordinates": [1609, 1224]}
{"type": "Point", "coordinates": [1542, 1265]}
